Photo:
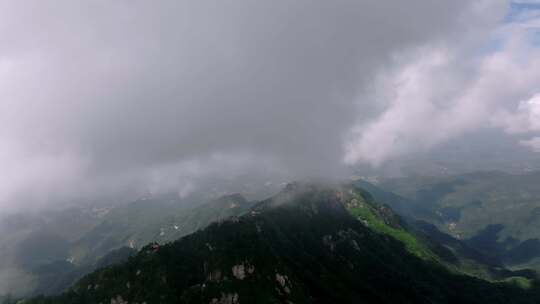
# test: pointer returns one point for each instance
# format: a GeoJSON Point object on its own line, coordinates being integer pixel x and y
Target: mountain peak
{"type": "Point", "coordinates": [311, 243]}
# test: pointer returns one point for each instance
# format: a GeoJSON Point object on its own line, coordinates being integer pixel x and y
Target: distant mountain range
{"type": "Point", "coordinates": [495, 212]}
{"type": "Point", "coordinates": [311, 243]}
{"type": "Point", "coordinates": [53, 250]}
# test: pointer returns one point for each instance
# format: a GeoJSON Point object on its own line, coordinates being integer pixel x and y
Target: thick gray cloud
{"type": "Point", "coordinates": [101, 95]}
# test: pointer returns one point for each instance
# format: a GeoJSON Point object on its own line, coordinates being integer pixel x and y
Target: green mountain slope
{"type": "Point", "coordinates": [142, 222]}
{"type": "Point", "coordinates": [497, 213]}
{"type": "Point", "coordinates": [53, 259]}
{"type": "Point", "coordinates": [450, 251]}
{"type": "Point", "coordinates": [309, 244]}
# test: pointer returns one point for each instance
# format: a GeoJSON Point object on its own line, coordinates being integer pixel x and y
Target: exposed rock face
{"type": "Point", "coordinates": [240, 271]}
{"type": "Point", "coordinates": [118, 300]}
{"type": "Point", "coordinates": [282, 281]}
{"type": "Point", "coordinates": [229, 298]}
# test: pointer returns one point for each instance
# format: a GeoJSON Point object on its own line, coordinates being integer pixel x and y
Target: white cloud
{"type": "Point", "coordinates": [442, 92]}
{"type": "Point", "coordinates": [526, 118]}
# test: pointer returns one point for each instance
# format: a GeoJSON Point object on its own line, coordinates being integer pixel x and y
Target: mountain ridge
{"type": "Point", "coordinates": [303, 245]}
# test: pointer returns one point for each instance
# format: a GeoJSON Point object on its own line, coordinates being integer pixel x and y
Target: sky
{"type": "Point", "coordinates": [102, 97]}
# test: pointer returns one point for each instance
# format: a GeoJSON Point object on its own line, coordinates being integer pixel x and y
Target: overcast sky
{"type": "Point", "coordinates": [100, 96]}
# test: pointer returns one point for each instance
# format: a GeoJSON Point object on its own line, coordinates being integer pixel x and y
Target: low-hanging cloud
{"type": "Point", "coordinates": [97, 96]}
